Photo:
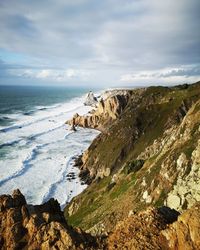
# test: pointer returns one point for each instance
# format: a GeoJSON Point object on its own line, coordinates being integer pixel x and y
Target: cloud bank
{"type": "Point", "coordinates": [112, 42]}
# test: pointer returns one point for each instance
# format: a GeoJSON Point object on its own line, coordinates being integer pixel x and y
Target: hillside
{"type": "Point", "coordinates": [148, 155]}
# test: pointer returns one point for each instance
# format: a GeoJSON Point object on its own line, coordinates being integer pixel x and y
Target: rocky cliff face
{"type": "Point", "coordinates": [24, 226]}
{"type": "Point", "coordinates": [185, 232]}
{"type": "Point", "coordinates": [158, 229]}
{"type": "Point", "coordinates": [91, 100]}
{"type": "Point", "coordinates": [147, 156]}
{"type": "Point", "coordinates": [107, 110]}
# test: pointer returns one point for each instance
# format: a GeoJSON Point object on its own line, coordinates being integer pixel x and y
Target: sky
{"type": "Point", "coordinates": [99, 42]}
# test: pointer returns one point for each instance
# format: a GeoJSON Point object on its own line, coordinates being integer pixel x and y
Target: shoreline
{"type": "Point", "coordinates": [125, 204]}
{"type": "Point", "coordinates": [46, 146]}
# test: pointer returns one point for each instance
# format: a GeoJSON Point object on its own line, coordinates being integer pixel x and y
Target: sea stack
{"type": "Point", "coordinates": [90, 100]}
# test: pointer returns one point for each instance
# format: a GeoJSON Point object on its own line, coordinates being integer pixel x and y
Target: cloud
{"type": "Point", "coordinates": [186, 72]}
{"type": "Point", "coordinates": [51, 74]}
{"type": "Point", "coordinates": [189, 73]}
{"type": "Point", "coordinates": [102, 41]}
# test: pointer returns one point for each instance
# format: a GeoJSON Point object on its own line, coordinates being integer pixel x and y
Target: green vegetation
{"type": "Point", "coordinates": [133, 166]}
{"type": "Point", "coordinates": [122, 187]}
{"type": "Point", "coordinates": [88, 213]}
{"type": "Point", "coordinates": [144, 120]}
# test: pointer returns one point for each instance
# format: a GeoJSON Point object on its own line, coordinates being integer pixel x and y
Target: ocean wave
{"type": "Point", "coordinates": [53, 186]}
{"type": "Point", "coordinates": [24, 167]}
{"type": "Point", "coordinates": [28, 113]}
{"type": "Point", "coordinates": [26, 164]}
{"type": "Point", "coordinates": [10, 143]}
{"type": "Point", "coordinates": [29, 139]}
{"type": "Point", "coordinates": [4, 118]}
{"type": "Point", "coordinates": [42, 139]}
{"type": "Point", "coordinates": [50, 118]}
{"type": "Point", "coordinates": [5, 121]}
{"type": "Point", "coordinates": [33, 137]}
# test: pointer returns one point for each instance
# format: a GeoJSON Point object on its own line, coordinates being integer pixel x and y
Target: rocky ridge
{"type": "Point", "coordinates": [155, 229]}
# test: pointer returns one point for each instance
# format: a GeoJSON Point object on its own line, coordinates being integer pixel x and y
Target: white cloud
{"type": "Point", "coordinates": [45, 73]}
{"type": "Point", "coordinates": [186, 73]}
{"type": "Point", "coordinates": [100, 41]}
{"type": "Point", "coordinates": [52, 74]}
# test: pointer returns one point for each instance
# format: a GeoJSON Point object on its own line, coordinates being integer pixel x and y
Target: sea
{"type": "Point", "coordinates": [37, 148]}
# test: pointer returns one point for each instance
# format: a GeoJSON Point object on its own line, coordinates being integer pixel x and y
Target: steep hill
{"type": "Point", "coordinates": [148, 155]}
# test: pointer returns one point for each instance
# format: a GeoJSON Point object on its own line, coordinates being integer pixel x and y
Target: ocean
{"type": "Point", "coordinates": [37, 148]}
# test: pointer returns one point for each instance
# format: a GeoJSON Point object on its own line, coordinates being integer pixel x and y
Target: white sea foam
{"type": "Point", "coordinates": [38, 153]}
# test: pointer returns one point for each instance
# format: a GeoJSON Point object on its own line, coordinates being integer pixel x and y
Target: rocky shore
{"type": "Point", "coordinates": [109, 108]}
{"type": "Point", "coordinates": [142, 172]}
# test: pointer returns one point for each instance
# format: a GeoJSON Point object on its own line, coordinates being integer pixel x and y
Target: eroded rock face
{"type": "Point", "coordinates": [142, 230]}
{"type": "Point", "coordinates": [107, 110]}
{"type": "Point", "coordinates": [186, 191]}
{"type": "Point", "coordinates": [25, 226]}
{"type": "Point", "coordinates": [184, 233]}
{"type": "Point", "coordinates": [177, 154]}
{"type": "Point", "coordinates": [161, 128]}
{"type": "Point", "coordinates": [155, 229]}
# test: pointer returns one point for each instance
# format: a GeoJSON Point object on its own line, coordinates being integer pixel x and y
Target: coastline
{"type": "Point", "coordinates": [124, 203]}
{"type": "Point", "coordinates": [48, 146]}
{"type": "Point", "coordinates": [132, 155]}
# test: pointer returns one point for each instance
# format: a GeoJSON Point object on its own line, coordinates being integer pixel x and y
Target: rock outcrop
{"type": "Point", "coordinates": [185, 232]}
{"type": "Point", "coordinates": [24, 226]}
{"type": "Point", "coordinates": [90, 100]}
{"type": "Point", "coordinates": [158, 229]}
{"type": "Point", "coordinates": [142, 230]}
{"type": "Point", "coordinates": [106, 111]}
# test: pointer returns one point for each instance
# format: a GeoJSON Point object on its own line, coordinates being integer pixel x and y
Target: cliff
{"type": "Point", "coordinates": [148, 156]}
{"type": "Point", "coordinates": [143, 172]}
{"type": "Point", "coordinates": [107, 110]}
{"type": "Point", "coordinates": [160, 228]}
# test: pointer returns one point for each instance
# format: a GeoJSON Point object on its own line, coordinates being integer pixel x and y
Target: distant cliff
{"type": "Point", "coordinates": [107, 110]}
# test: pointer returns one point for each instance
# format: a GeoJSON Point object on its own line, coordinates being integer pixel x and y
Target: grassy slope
{"type": "Point", "coordinates": [137, 128]}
